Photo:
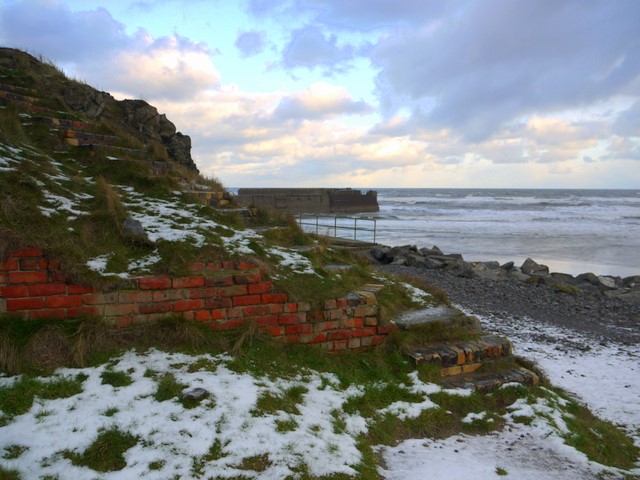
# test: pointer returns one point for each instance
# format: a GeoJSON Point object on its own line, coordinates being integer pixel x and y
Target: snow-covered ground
{"type": "Point", "coordinates": [604, 377]}
{"type": "Point", "coordinates": [177, 438]}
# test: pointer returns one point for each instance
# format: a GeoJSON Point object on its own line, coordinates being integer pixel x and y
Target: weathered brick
{"type": "Point", "coordinates": [27, 277]}
{"type": "Point", "coordinates": [290, 318]}
{"type": "Point", "coordinates": [304, 307]}
{"type": "Point", "coordinates": [119, 310]}
{"type": "Point", "coordinates": [229, 324]}
{"type": "Point", "coordinates": [352, 323]}
{"type": "Point", "coordinates": [365, 310]}
{"type": "Point", "coordinates": [247, 278]}
{"type": "Point", "coordinates": [365, 341]}
{"type": "Point", "coordinates": [364, 332]}
{"type": "Point", "coordinates": [62, 301]}
{"type": "Point", "coordinates": [273, 331]}
{"type": "Point", "coordinates": [370, 321]}
{"type": "Point", "coordinates": [48, 314]}
{"type": "Point", "coordinates": [203, 316]}
{"type": "Point", "coordinates": [336, 314]}
{"type": "Point", "coordinates": [276, 308]}
{"type": "Point", "coordinates": [342, 303]}
{"type": "Point", "coordinates": [100, 298]}
{"type": "Point", "coordinates": [218, 303]}
{"type": "Point", "coordinates": [10, 264]}
{"type": "Point", "coordinates": [43, 264]}
{"type": "Point", "coordinates": [256, 310]}
{"type": "Point", "coordinates": [290, 307]}
{"type": "Point", "coordinates": [190, 315]}
{"type": "Point", "coordinates": [154, 283]}
{"type": "Point", "coordinates": [378, 339]}
{"type": "Point", "coordinates": [214, 266]}
{"type": "Point", "coordinates": [234, 313]}
{"type": "Point", "coordinates": [57, 276]}
{"type": "Point", "coordinates": [74, 289]}
{"type": "Point", "coordinates": [53, 265]}
{"type": "Point", "coordinates": [315, 316]}
{"type": "Point", "coordinates": [17, 291]}
{"type": "Point", "coordinates": [260, 287]}
{"type": "Point", "coordinates": [291, 339]}
{"type": "Point", "coordinates": [158, 307]}
{"type": "Point", "coordinates": [354, 343]}
{"type": "Point", "coordinates": [246, 300]}
{"type": "Point", "coordinates": [135, 296]}
{"type": "Point", "coordinates": [274, 298]}
{"type": "Point", "coordinates": [219, 314]}
{"type": "Point", "coordinates": [228, 265]}
{"type": "Point", "coordinates": [340, 345]}
{"type": "Point", "coordinates": [3, 278]}
{"type": "Point", "coordinates": [82, 312]}
{"type": "Point", "coordinates": [29, 264]}
{"type": "Point", "coordinates": [203, 292]}
{"type": "Point", "coordinates": [225, 281]}
{"type": "Point", "coordinates": [32, 303]}
{"type": "Point", "coordinates": [245, 266]}
{"type": "Point", "coordinates": [168, 295]}
{"type": "Point", "coordinates": [123, 322]}
{"type": "Point", "coordinates": [197, 266]}
{"type": "Point", "coordinates": [301, 328]}
{"type": "Point", "coordinates": [340, 335]}
{"type": "Point", "coordinates": [266, 321]}
{"type": "Point", "coordinates": [330, 304]}
{"type": "Point", "coordinates": [184, 305]}
{"type": "Point", "coordinates": [27, 252]}
{"type": "Point", "coordinates": [324, 326]}
{"type": "Point", "coordinates": [233, 291]}
{"type": "Point", "coordinates": [318, 337]}
{"type": "Point", "coordinates": [188, 282]}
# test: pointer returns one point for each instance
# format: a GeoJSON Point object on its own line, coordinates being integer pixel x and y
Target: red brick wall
{"type": "Point", "coordinates": [223, 295]}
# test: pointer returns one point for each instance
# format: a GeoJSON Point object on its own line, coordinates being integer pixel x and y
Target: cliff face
{"type": "Point", "coordinates": [135, 117]}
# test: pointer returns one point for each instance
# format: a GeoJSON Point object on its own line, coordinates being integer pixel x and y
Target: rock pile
{"type": "Point", "coordinates": [530, 272]}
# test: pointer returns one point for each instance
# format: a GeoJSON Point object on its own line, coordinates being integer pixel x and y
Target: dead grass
{"type": "Point", "coordinates": [49, 348]}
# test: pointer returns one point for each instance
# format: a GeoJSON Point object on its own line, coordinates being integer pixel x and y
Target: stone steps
{"type": "Point", "coordinates": [486, 381]}
{"type": "Point", "coordinates": [114, 150]}
{"type": "Point", "coordinates": [481, 361]}
{"type": "Point", "coordinates": [77, 138]}
{"type": "Point", "coordinates": [455, 358]}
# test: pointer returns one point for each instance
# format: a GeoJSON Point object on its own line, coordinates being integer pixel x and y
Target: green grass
{"type": "Point", "coordinates": [168, 388]}
{"type": "Point", "coordinates": [18, 398]}
{"type": "Point", "coordinates": [6, 474]}
{"type": "Point", "coordinates": [106, 452]}
{"type": "Point", "coordinates": [115, 379]}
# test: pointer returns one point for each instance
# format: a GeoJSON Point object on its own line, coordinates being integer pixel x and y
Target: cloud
{"type": "Point", "coordinates": [94, 45]}
{"type": "Point", "coordinates": [320, 100]}
{"type": "Point", "coordinates": [49, 28]}
{"type": "Point", "coordinates": [310, 48]}
{"type": "Point", "coordinates": [628, 122]}
{"type": "Point", "coordinates": [250, 43]}
{"type": "Point", "coordinates": [489, 63]}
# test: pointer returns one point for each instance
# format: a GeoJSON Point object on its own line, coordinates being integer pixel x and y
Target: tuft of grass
{"type": "Point", "coordinates": [168, 388]}
{"type": "Point", "coordinates": [6, 474]}
{"type": "Point", "coordinates": [14, 451]}
{"type": "Point", "coordinates": [115, 378]}
{"type": "Point", "coordinates": [18, 398]}
{"type": "Point", "coordinates": [501, 472]}
{"type": "Point", "coordinates": [106, 452]}
{"type": "Point", "coordinates": [287, 401]}
{"type": "Point", "coordinates": [257, 463]}
{"type": "Point", "coordinates": [599, 440]}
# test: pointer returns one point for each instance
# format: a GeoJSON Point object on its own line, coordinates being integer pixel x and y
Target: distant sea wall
{"type": "Point", "coordinates": [309, 200]}
{"type": "Point", "coordinates": [221, 295]}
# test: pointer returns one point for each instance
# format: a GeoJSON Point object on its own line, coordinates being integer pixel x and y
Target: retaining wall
{"type": "Point", "coordinates": [223, 295]}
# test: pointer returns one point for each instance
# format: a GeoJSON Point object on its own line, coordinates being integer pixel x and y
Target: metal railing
{"type": "Point", "coordinates": [339, 227]}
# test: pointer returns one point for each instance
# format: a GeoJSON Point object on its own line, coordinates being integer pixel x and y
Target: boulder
{"type": "Point", "coordinates": [380, 254]}
{"type": "Point", "coordinates": [631, 282]}
{"type": "Point", "coordinates": [133, 227]}
{"type": "Point", "coordinates": [564, 278]}
{"type": "Point", "coordinates": [530, 267]}
{"type": "Point", "coordinates": [507, 266]}
{"type": "Point", "coordinates": [195, 393]}
{"type": "Point", "coordinates": [427, 252]}
{"type": "Point", "coordinates": [516, 276]}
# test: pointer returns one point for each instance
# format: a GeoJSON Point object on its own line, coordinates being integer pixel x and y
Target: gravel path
{"type": "Point", "coordinates": [597, 317]}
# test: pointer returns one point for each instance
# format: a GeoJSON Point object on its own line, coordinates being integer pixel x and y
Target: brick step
{"type": "Point", "coordinates": [486, 381]}
{"type": "Point", "coordinates": [111, 149]}
{"type": "Point", "coordinates": [462, 357]}
{"type": "Point", "coordinates": [63, 123]}
{"type": "Point", "coordinates": [30, 107]}
{"type": "Point", "coordinates": [215, 199]}
{"type": "Point", "coordinates": [19, 98]}
{"type": "Point", "coordinates": [76, 138]}
{"type": "Point", "coordinates": [17, 89]}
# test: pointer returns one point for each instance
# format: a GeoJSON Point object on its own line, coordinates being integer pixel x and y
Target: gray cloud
{"type": "Point", "coordinates": [293, 108]}
{"type": "Point", "coordinates": [628, 122]}
{"type": "Point", "coordinates": [310, 48]}
{"type": "Point", "coordinates": [49, 28]}
{"type": "Point", "coordinates": [250, 43]}
{"type": "Point", "coordinates": [497, 60]}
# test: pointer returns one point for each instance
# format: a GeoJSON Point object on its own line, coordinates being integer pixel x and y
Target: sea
{"type": "Point", "coordinates": [571, 231]}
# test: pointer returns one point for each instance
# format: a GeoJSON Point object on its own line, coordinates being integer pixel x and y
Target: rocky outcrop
{"type": "Point", "coordinates": [530, 272]}
{"type": "Point", "coordinates": [135, 117]}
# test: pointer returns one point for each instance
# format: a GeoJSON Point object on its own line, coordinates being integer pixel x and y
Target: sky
{"type": "Point", "coordinates": [367, 93]}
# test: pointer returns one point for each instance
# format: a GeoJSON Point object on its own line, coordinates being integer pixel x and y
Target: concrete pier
{"type": "Point", "coordinates": [309, 200]}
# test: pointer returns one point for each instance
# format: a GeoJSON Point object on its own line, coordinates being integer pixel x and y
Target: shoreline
{"type": "Point", "coordinates": [592, 305]}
